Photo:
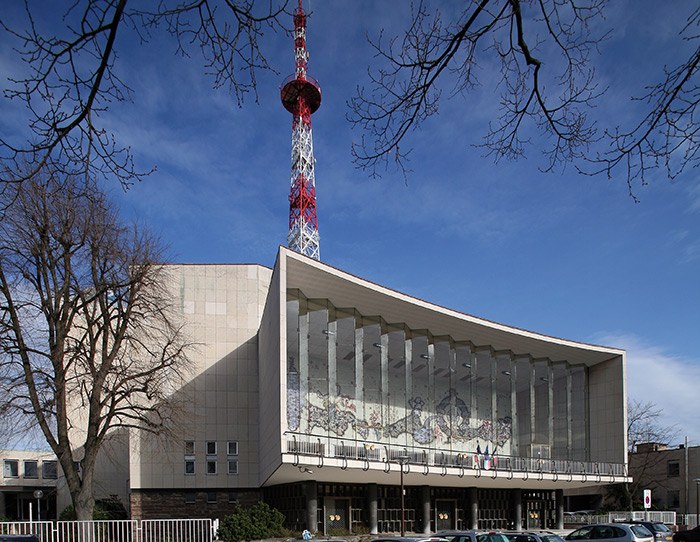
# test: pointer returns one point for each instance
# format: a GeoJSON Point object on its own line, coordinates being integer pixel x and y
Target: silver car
{"type": "Point", "coordinates": [533, 536]}
{"type": "Point", "coordinates": [472, 536]}
{"type": "Point", "coordinates": [613, 532]}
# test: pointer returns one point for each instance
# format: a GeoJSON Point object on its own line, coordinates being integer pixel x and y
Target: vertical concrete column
{"type": "Point", "coordinates": [559, 498]}
{"type": "Point", "coordinates": [473, 508]}
{"type": "Point", "coordinates": [311, 506]}
{"type": "Point", "coordinates": [517, 510]}
{"type": "Point", "coordinates": [425, 507]}
{"type": "Point", "coordinates": [372, 508]}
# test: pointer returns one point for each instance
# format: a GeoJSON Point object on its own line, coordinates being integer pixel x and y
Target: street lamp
{"type": "Point", "coordinates": [697, 500]}
{"type": "Point", "coordinates": [402, 460]}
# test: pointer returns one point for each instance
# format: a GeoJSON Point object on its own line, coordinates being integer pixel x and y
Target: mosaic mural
{"type": "Point", "coordinates": [451, 423]}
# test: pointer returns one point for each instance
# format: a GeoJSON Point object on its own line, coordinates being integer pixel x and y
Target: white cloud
{"type": "Point", "coordinates": [670, 382]}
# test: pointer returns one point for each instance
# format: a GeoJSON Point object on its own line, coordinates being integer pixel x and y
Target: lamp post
{"type": "Point", "coordinates": [402, 460]}
{"type": "Point", "coordinates": [697, 501]}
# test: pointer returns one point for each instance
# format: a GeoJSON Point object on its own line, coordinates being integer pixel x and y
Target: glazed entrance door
{"type": "Point", "coordinates": [337, 520]}
{"type": "Point", "coordinates": [445, 512]}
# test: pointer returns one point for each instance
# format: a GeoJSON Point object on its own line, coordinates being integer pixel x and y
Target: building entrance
{"type": "Point", "coordinates": [445, 514]}
{"type": "Point", "coordinates": [337, 515]}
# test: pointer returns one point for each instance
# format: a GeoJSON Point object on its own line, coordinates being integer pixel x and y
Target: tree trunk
{"type": "Point", "coordinates": [84, 504]}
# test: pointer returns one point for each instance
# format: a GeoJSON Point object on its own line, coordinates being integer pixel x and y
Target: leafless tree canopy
{"type": "Point", "coordinates": [644, 425]}
{"type": "Point", "coordinates": [72, 78]}
{"type": "Point", "coordinates": [545, 51]}
{"type": "Point", "coordinates": [88, 339]}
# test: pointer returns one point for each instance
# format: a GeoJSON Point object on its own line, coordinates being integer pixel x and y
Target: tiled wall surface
{"type": "Point", "coordinates": [222, 306]}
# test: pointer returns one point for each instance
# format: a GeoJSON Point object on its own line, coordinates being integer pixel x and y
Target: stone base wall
{"type": "Point", "coordinates": [186, 504]}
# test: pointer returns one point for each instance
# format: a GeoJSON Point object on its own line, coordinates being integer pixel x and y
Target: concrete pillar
{"type": "Point", "coordinates": [311, 506]}
{"type": "Point", "coordinates": [517, 509]}
{"type": "Point", "coordinates": [372, 508]}
{"type": "Point", "coordinates": [425, 506]}
{"type": "Point", "coordinates": [559, 498]}
{"type": "Point", "coordinates": [473, 508]}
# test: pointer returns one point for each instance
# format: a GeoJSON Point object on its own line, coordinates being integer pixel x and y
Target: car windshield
{"type": "Point", "coordinates": [551, 538]}
{"type": "Point", "coordinates": [661, 528]}
{"type": "Point", "coordinates": [491, 537]}
{"type": "Point", "coordinates": [582, 533]}
{"type": "Point", "coordinates": [640, 530]}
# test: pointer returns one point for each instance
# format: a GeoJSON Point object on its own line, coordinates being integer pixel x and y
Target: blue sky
{"type": "Point", "coordinates": [558, 253]}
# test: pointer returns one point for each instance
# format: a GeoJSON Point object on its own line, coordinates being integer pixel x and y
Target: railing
{"type": "Point", "coordinates": [689, 520]}
{"type": "Point", "coordinates": [304, 445]}
{"type": "Point", "coordinates": [177, 530]}
{"type": "Point", "coordinates": [657, 516]}
{"type": "Point", "coordinates": [44, 530]}
{"type": "Point", "coordinates": [97, 531]}
{"type": "Point", "coordinates": [152, 530]}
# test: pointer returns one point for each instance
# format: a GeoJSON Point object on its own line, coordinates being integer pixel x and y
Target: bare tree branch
{"type": "Point", "coordinates": [545, 51]}
{"type": "Point", "coordinates": [89, 338]}
{"type": "Point", "coordinates": [73, 80]}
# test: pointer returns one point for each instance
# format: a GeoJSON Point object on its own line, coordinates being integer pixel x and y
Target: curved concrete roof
{"type": "Point", "coordinates": [318, 280]}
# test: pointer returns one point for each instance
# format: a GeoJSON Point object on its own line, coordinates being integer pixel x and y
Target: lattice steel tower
{"type": "Point", "coordinates": [301, 96]}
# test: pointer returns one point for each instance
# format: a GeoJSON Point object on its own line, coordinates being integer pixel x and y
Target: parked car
{"type": "Point", "coordinates": [533, 536]}
{"type": "Point", "coordinates": [613, 532]}
{"type": "Point", "coordinates": [473, 536]}
{"type": "Point", "coordinates": [660, 531]}
{"type": "Point", "coordinates": [18, 538]}
{"type": "Point", "coordinates": [691, 535]}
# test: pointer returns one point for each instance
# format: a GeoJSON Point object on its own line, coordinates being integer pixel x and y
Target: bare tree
{"type": "Point", "coordinates": [644, 426]}
{"type": "Point", "coordinates": [88, 338]}
{"type": "Point", "coordinates": [72, 77]}
{"type": "Point", "coordinates": [545, 52]}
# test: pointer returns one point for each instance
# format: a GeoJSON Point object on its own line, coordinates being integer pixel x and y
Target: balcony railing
{"type": "Point", "coordinates": [307, 446]}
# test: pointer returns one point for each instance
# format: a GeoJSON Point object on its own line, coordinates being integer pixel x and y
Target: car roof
{"type": "Point", "coordinates": [469, 531]}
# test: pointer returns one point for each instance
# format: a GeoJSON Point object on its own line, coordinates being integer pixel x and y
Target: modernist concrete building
{"type": "Point", "coordinates": [322, 393]}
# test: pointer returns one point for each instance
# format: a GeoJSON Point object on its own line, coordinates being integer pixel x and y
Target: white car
{"type": "Point", "coordinates": [613, 532]}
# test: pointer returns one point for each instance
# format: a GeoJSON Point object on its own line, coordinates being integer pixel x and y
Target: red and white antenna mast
{"type": "Point", "coordinates": [301, 96]}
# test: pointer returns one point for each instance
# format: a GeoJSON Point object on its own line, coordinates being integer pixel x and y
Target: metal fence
{"type": "Point", "coordinates": [152, 530]}
{"type": "Point", "coordinates": [317, 449]}
{"type": "Point", "coordinates": [669, 518]}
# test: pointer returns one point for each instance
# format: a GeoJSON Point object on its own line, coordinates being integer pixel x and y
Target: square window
{"type": "Point", "coordinates": [49, 470]}
{"type": "Point", "coordinates": [211, 466]}
{"type": "Point", "coordinates": [189, 447]}
{"type": "Point", "coordinates": [189, 466]}
{"type": "Point", "coordinates": [11, 468]}
{"type": "Point", "coordinates": [212, 497]}
{"type": "Point", "coordinates": [674, 469]}
{"type": "Point", "coordinates": [232, 447]}
{"type": "Point", "coordinates": [673, 498]}
{"type": "Point", "coordinates": [232, 496]}
{"type": "Point", "coordinates": [31, 469]}
{"type": "Point", "coordinates": [233, 466]}
{"type": "Point", "coordinates": [190, 497]}
{"type": "Point", "coordinates": [211, 447]}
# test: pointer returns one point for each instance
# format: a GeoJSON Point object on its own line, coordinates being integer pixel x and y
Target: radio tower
{"type": "Point", "coordinates": [301, 96]}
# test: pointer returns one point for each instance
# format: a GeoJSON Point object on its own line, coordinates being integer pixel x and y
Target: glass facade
{"type": "Point", "coordinates": [368, 383]}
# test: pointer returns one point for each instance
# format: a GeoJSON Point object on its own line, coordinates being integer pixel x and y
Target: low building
{"type": "Point", "coordinates": [32, 485]}
{"type": "Point", "coordinates": [671, 473]}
